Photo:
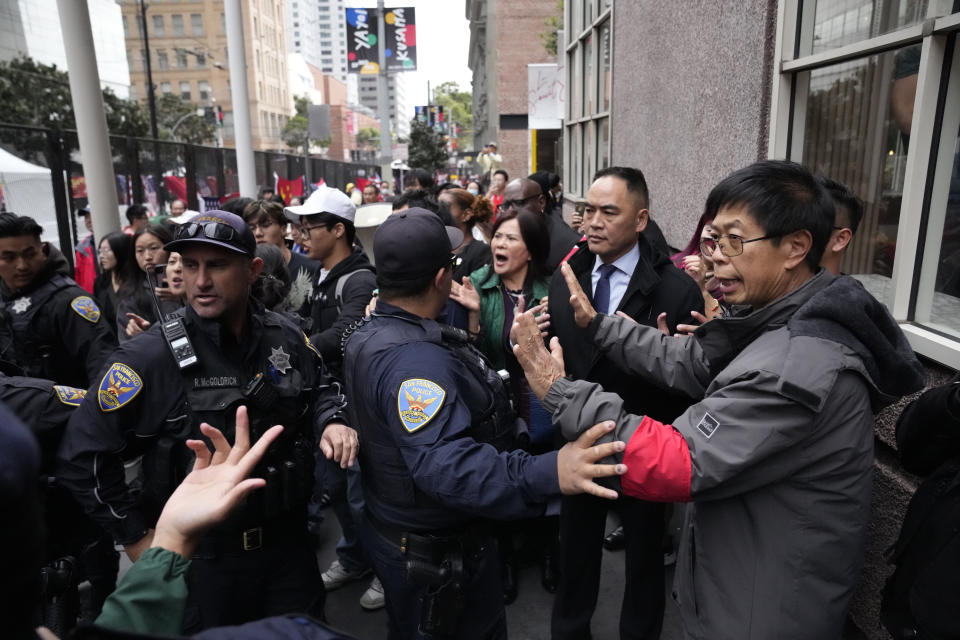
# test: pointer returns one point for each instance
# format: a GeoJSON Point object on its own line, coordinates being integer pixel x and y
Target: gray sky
{"type": "Point", "coordinates": [443, 38]}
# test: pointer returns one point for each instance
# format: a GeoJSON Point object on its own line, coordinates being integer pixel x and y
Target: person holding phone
{"type": "Point", "coordinates": [137, 299]}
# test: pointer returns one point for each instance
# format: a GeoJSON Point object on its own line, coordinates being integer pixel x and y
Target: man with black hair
{"type": "Point", "coordinates": [776, 453]}
{"type": "Point", "coordinates": [49, 327]}
{"type": "Point", "coordinates": [418, 178]}
{"type": "Point", "coordinates": [849, 212]}
{"type": "Point", "coordinates": [624, 272]}
{"type": "Point", "coordinates": [341, 292]}
{"type": "Point", "coordinates": [221, 351]}
{"type": "Point", "coordinates": [440, 455]}
{"type": "Point", "coordinates": [136, 218]}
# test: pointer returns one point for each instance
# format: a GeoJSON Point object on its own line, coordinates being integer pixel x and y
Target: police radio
{"type": "Point", "coordinates": [174, 331]}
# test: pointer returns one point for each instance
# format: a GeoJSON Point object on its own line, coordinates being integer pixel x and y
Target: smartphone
{"type": "Point", "coordinates": [160, 274]}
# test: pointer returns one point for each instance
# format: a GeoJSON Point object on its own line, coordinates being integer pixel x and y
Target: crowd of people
{"type": "Point", "coordinates": [485, 382]}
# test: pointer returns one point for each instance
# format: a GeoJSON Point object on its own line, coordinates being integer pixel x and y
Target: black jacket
{"type": "Point", "coordinates": [656, 286]}
{"type": "Point", "coordinates": [329, 321]}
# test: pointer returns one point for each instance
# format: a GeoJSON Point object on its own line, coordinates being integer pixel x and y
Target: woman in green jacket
{"type": "Point", "coordinates": [520, 245]}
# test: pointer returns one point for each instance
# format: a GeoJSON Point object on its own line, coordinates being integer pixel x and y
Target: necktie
{"type": "Point", "coordinates": [601, 293]}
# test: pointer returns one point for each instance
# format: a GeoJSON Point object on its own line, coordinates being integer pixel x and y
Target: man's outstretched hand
{"type": "Point", "coordinates": [577, 462]}
{"type": "Point", "coordinates": [583, 311]}
{"type": "Point", "coordinates": [214, 487]}
{"type": "Point", "coordinates": [541, 367]}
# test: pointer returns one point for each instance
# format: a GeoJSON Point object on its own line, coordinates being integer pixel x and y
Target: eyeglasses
{"type": "Point", "coordinates": [305, 230]}
{"type": "Point", "coordinates": [730, 245]}
{"type": "Point", "coordinates": [510, 204]}
{"type": "Point", "coordinates": [209, 230]}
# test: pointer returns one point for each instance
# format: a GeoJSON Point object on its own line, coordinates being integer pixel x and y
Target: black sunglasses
{"type": "Point", "coordinates": [209, 230]}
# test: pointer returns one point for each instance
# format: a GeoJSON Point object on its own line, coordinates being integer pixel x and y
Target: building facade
{"type": "Point", "coordinates": [188, 54]}
{"type": "Point", "coordinates": [504, 39]}
{"type": "Point", "coordinates": [397, 96]}
{"type": "Point", "coordinates": [32, 28]}
{"type": "Point", "coordinates": [316, 29]}
{"type": "Point", "coordinates": [866, 92]}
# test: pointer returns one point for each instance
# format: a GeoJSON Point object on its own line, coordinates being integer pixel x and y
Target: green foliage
{"type": "Point", "coordinates": [427, 147]}
{"type": "Point", "coordinates": [296, 131]}
{"type": "Point", "coordinates": [554, 23]}
{"type": "Point", "coordinates": [174, 111]}
{"type": "Point", "coordinates": [458, 108]}
{"type": "Point", "coordinates": [369, 137]}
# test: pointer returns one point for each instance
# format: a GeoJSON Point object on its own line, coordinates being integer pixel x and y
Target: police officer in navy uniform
{"type": "Point", "coordinates": [439, 456]}
{"type": "Point", "coordinates": [49, 327]}
{"type": "Point", "coordinates": [222, 351]}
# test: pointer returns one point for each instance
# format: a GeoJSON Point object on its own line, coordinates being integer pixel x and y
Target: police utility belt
{"type": "Point", "coordinates": [436, 561]}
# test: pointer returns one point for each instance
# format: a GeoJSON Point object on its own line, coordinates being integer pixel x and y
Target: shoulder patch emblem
{"type": "Point", "coordinates": [86, 308]}
{"type": "Point", "coordinates": [708, 425]}
{"type": "Point", "coordinates": [418, 401]}
{"type": "Point", "coordinates": [70, 396]}
{"type": "Point", "coordinates": [119, 386]}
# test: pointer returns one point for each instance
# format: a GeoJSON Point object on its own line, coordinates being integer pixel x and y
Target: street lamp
{"type": "Point", "coordinates": [173, 130]}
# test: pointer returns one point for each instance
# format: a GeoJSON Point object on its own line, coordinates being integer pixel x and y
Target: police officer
{"type": "Point", "coordinates": [49, 327]}
{"type": "Point", "coordinates": [223, 350]}
{"type": "Point", "coordinates": [438, 458]}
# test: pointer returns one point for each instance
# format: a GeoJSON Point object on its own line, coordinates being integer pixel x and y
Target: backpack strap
{"type": "Point", "coordinates": [338, 289]}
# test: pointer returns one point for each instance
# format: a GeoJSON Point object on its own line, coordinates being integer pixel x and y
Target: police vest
{"type": "Point", "coordinates": [19, 342]}
{"type": "Point", "coordinates": [493, 420]}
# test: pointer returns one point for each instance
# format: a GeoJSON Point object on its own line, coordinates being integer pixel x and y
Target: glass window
{"type": "Point", "coordinates": [603, 144]}
{"type": "Point", "coordinates": [604, 76]}
{"type": "Point", "coordinates": [840, 22]}
{"type": "Point", "coordinates": [177, 21]}
{"type": "Point", "coordinates": [589, 91]}
{"type": "Point", "coordinates": [589, 153]}
{"type": "Point", "coordinates": [201, 60]}
{"type": "Point", "coordinates": [856, 134]}
{"type": "Point", "coordinates": [203, 87]}
{"type": "Point", "coordinates": [196, 24]}
{"type": "Point", "coordinates": [185, 90]}
{"type": "Point", "coordinates": [158, 26]}
{"type": "Point", "coordinates": [162, 61]}
{"type": "Point", "coordinates": [165, 88]}
{"type": "Point", "coordinates": [181, 59]}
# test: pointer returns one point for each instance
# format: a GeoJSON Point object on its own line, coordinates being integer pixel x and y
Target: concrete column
{"type": "Point", "coordinates": [242, 132]}
{"type": "Point", "coordinates": [91, 121]}
{"type": "Point", "coordinates": [383, 98]}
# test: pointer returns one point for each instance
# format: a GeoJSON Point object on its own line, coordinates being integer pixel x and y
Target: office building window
{"type": "Point", "coordinates": [158, 26]}
{"type": "Point", "coordinates": [185, 91]}
{"type": "Point", "coordinates": [868, 94]}
{"type": "Point", "coordinates": [587, 98]}
{"type": "Point", "coordinates": [196, 24]}
{"type": "Point", "coordinates": [165, 88]}
{"type": "Point", "coordinates": [177, 21]}
{"type": "Point", "coordinates": [201, 60]}
{"type": "Point", "coordinates": [181, 59]}
{"type": "Point", "coordinates": [162, 61]}
{"type": "Point", "coordinates": [203, 88]}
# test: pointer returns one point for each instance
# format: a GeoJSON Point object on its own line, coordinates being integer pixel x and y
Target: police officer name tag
{"type": "Point", "coordinates": [418, 401]}
{"type": "Point", "coordinates": [120, 385]}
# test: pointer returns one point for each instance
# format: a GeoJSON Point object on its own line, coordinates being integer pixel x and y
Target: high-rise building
{"type": "Point", "coordinates": [396, 92]}
{"type": "Point", "coordinates": [316, 30]}
{"type": "Point", "coordinates": [188, 54]}
{"type": "Point", "coordinates": [32, 28]}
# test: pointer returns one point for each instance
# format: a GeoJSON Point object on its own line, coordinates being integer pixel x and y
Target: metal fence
{"type": "Point", "coordinates": [150, 172]}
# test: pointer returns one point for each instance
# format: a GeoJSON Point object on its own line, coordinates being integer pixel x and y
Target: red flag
{"type": "Point", "coordinates": [362, 184]}
{"type": "Point", "coordinates": [176, 186]}
{"type": "Point", "coordinates": [289, 188]}
{"type": "Point", "coordinates": [230, 196]}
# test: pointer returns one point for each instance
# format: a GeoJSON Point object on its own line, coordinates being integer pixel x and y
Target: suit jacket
{"type": "Point", "coordinates": [655, 286]}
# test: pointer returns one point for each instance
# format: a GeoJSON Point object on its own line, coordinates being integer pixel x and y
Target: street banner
{"type": "Point", "coordinates": [362, 49]}
{"type": "Point", "coordinates": [401, 39]}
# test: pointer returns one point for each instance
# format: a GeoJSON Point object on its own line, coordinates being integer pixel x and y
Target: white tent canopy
{"type": "Point", "coordinates": [27, 191]}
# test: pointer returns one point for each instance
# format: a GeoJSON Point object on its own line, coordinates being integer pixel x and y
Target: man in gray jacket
{"type": "Point", "coordinates": [777, 455]}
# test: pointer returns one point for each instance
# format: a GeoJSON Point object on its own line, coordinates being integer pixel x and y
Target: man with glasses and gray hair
{"type": "Point", "coordinates": [524, 194]}
{"type": "Point", "coordinates": [776, 453]}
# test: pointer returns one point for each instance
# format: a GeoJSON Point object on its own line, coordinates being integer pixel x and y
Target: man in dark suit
{"type": "Point", "coordinates": [622, 271]}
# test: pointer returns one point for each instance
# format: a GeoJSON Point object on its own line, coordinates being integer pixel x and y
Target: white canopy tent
{"type": "Point", "coordinates": [27, 191]}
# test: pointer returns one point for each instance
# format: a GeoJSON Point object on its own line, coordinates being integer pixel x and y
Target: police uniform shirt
{"type": "Point", "coordinates": [414, 396]}
{"type": "Point", "coordinates": [142, 394]}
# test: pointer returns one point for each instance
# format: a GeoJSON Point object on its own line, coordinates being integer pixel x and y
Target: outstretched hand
{"type": "Point", "coordinates": [682, 329]}
{"type": "Point", "coordinates": [577, 462]}
{"type": "Point", "coordinates": [540, 367]}
{"type": "Point", "coordinates": [465, 294]}
{"type": "Point", "coordinates": [136, 324]}
{"type": "Point", "coordinates": [214, 487]}
{"type": "Point", "coordinates": [583, 311]}
{"type": "Point", "coordinates": [340, 443]}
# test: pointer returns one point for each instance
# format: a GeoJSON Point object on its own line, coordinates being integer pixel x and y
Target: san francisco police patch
{"type": "Point", "coordinates": [120, 385]}
{"type": "Point", "coordinates": [418, 401]}
{"type": "Point", "coordinates": [86, 308]}
{"type": "Point", "coordinates": [69, 395]}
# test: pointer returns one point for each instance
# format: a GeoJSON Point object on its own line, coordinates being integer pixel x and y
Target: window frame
{"type": "Point", "coordinates": [912, 261]}
{"type": "Point", "coordinates": [582, 91]}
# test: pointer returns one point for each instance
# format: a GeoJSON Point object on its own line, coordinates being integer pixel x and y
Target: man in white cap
{"type": "Point", "coordinates": [344, 286]}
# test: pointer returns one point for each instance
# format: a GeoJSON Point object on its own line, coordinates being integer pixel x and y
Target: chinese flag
{"type": "Point", "coordinates": [289, 188]}
{"type": "Point", "coordinates": [362, 184]}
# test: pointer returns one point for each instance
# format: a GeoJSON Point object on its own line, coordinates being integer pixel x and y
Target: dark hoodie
{"type": "Point", "coordinates": [66, 339]}
{"type": "Point", "coordinates": [330, 318]}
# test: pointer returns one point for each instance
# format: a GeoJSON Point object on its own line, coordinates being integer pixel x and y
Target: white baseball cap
{"type": "Point", "coordinates": [323, 200]}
